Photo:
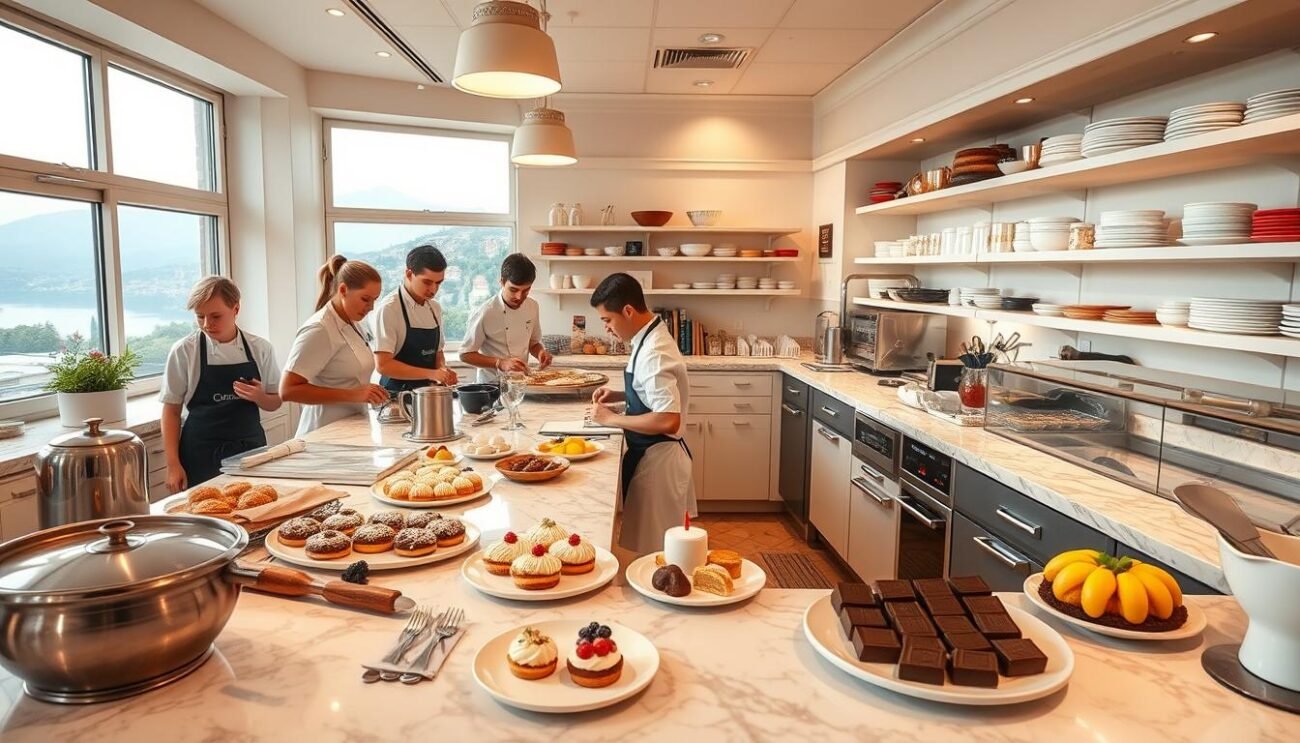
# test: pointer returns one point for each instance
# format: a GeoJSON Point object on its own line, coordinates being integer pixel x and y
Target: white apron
{"type": "Point", "coordinates": [660, 493]}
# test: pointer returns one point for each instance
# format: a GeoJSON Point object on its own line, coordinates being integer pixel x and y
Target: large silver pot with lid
{"type": "Point", "coordinates": [101, 610]}
{"type": "Point", "coordinates": [94, 473]}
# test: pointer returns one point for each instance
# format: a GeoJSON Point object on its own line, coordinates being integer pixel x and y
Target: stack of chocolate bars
{"type": "Point", "coordinates": [935, 629]}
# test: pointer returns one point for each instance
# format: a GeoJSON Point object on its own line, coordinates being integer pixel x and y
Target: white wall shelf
{"type": "Point", "coordinates": [691, 292]}
{"type": "Point", "coordinates": [1286, 252]}
{"type": "Point", "coordinates": [681, 229]}
{"type": "Point", "coordinates": [679, 260]}
{"type": "Point", "coordinates": [931, 308]}
{"type": "Point", "coordinates": [1225, 148]}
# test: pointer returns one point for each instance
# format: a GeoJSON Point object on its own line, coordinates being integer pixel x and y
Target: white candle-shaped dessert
{"type": "Point", "coordinates": [686, 546]}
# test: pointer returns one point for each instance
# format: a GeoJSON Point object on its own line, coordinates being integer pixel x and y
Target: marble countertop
{"type": "Point", "coordinates": [17, 454]}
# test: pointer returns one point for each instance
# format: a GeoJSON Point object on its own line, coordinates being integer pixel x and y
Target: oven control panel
{"type": "Point", "coordinates": [927, 465]}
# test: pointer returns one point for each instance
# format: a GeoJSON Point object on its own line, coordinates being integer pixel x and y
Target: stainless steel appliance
{"type": "Point", "coordinates": [873, 513]}
{"type": "Point", "coordinates": [430, 411]}
{"type": "Point", "coordinates": [796, 428]}
{"type": "Point", "coordinates": [92, 474]}
{"type": "Point", "coordinates": [886, 341]}
{"type": "Point", "coordinates": [925, 480]}
{"type": "Point", "coordinates": [825, 326]}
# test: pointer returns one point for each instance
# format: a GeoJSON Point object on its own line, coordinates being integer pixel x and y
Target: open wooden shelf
{"type": "Point", "coordinates": [1286, 252]}
{"type": "Point", "coordinates": [667, 229]}
{"type": "Point", "coordinates": [692, 292]}
{"type": "Point", "coordinates": [933, 309]}
{"type": "Point", "coordinates": [680, 260]}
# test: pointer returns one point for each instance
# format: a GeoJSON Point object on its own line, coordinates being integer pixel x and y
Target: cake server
{"type": "Point", "coordinates": [1219, 510]}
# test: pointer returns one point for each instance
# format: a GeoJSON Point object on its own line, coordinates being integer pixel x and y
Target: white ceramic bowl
{"type": "Point", "coordinates": [1269, 593]}
{"type": "Point", "coordinates": [1013, 166]}
{"type": "Point", "coordinates": [582, 281]}
{"type": "Point", "coordinates": [696, 250]}
{"type": "Point", "coordinates": [667, 252]}
{"type": "Point", "coordinates": [615, 250]}
{"type": "Point", "coordinates": [1049, 240]}
{"type": "Point", "coordinates": [704, 217]}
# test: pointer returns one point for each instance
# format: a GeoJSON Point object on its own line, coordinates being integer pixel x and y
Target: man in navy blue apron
{"type": "Point", "coordinates": [656, 468]}
{"type": "Point", "coordinates": [408, 325]}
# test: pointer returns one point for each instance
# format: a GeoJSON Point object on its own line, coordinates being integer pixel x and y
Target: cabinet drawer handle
{"type": "Point", "coordinates": [692, 425]}
{"type": "Point", "coordinates": [25, 493]}
{"type": "Point", "coordinates": [862, 485]}
{"type": "Point", "coordinates": [1003, 553]}
{"type": "Point", "coordinates": [830, 412]}
{"type": "Point", "coordinates": [930, 521]}
{"type": "Point", "coordinates": [828, 435]}
{"type": "Point", "coordinates": [740, 423]}
{"type": "Point", "coordinates": [742, 405]}
{"type": "Point", "coordinates": [790, 410]}
{"type": "Point", "coordinates": [1033, 530]}
{"type": "Point", "coordinates": [792, 390]}
{"type": "Point", "coordinates": [743, 384]}
{"type": "Point", "coordinates": [871, 472]}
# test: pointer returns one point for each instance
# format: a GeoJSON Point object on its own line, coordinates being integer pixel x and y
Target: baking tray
{"type": "Point", "coordinates": [340, 464]}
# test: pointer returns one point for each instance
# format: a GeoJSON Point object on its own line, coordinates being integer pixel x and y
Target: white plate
{"type": "Point", "coordinates": [489, 482]}
{"type": "Point", "coordinates": [752, 579]}
{"type": "Point", "coordinates": [1194, 625]}
{"type": "Point", "coordinates": [1212, 240]}
{"type": "Point", "coordinates": [1237, 301]}
{"type": "Point", "coordinates": [1237, 331]}
{"type": "Point", "coordinates": [571, 457]}
{"type": "Point", "coordinates": [491, 457]}
{"type": "Point", "coordinates": [822, 628]}
{"type": "Point", "coordinates": [557, 694]}
{"type": "Point", "coordinates": [503, 586]}
{"type": "Point", "coordinates": [389, 560]}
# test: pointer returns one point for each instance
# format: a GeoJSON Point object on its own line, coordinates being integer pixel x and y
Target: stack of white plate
{"type": "Point", "coordinates": [1049, 310]}
{"type": "Point", "coordinates": [1049, 233]}
{"type": "Point", "coordinates": [1060, 149]}
{"type": "Point", "coordinates": [725, 250]}
{"type": "Point", "coordinates": [681, 286]}
{"type": "Point", "coordinates": [1132, 228]}
{"type": "Point", "coordinates": [1290, 325]}
{"type": "Point", "coordinates": [1189, 121]}
{"type": "Point", "coordinates": [1216, 222]}
{"type": "Point", "coordinates": [785, 285]}
{"type": "Point", "coordinates": [987, 301]}
{"type": "Point", "coordinates": [704, 285]}
{"type": "Point", "coordinates": [1113, 135]}
{"type": "Point", "coordinates": [1271, 105]}
{"type": "Point", "coordinates": [1174, 313]}
{"type": "Point", "coordinates": [1242, 316]}
{"type": "Point", "coordinates": [766, 283]}
{"type": "Point", "coordinates": [1022, 241]}
{"type": "Point", "coordinates": [726, 281]}
{"type": "Point", "coordinates": [968, 294]}
{"type": "Point", "coordinates": [747, 282]}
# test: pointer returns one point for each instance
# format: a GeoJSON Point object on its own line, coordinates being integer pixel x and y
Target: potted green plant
{"type": "Point", "coordinates": [92, 385]}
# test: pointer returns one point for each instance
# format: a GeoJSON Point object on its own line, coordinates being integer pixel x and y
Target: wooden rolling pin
{"type": "Point", "coordinates": [289, 582]}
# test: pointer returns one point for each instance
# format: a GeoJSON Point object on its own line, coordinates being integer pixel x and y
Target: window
{"type": "Point", "coordinates": [393, 188]}
{"type": "Point", "coordinates": [102, 233]}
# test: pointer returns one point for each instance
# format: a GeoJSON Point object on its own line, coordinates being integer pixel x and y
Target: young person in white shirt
{"type": "Point", "coordinates": [330, 363]}
{"type": "Point", "coordinates": [409, 337]}
{"type": "Point", "coordinates": [504, 330]}
{"type": "Point", "coordinates": [216, 381]}
{"type": "Point", "coordinates": [656, 472]}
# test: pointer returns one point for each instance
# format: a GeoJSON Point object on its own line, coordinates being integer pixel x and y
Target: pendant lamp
{"type": "Point", "coordinates": [543, 139]}
{"type": "Point", "coordinates": [506, 54]}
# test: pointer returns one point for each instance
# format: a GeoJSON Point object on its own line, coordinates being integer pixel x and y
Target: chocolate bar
{"type": "Point", "coordinates": [969, 585]}
{"type": "Point", "coordinates": [953, 625]}
{"type": "Point", "coordinates": [923, 659]}
{"type": "Point", "coordinates": [996, 626]}
{"type": "Point", "coordinates": [974, 668]}
{"type": "Point", "coordinates": [984, 605]}
{"type": "Point", "coordinates": [1019, 657]}
{"type": "Point", "coordinates": [916, 627]}
{"type": "Point", "coordinates": [861, 616]}
{"type": "Point", "coordinates": [932, 587]}
{"type": "Point", "coordinates": [899, 609]}
{"type": "Point", "coordinates": [875, 645]}
{"type": "Point", "coordinates": [943, 605]}
{"type": "Point", "coordinates": [966, 641]}
{"type": "Point", "coordinates": [852, 594]}
{"type": "Point", "coordinates": [895, 590]}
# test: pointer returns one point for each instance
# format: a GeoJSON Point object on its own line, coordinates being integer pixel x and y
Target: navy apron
{"type": "Point", "coordinates": [419, 348]}
{"type": "Point", "coordinates": [219, 423]}
{"type": "Point", "coordinates": [639, 443]}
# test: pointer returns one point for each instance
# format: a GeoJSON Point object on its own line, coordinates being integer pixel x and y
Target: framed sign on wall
{"type": "Point", "coordinates": [825, 249]}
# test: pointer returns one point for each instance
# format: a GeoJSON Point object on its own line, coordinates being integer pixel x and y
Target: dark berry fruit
{"type": "Point", "coordinates": [604, 631]}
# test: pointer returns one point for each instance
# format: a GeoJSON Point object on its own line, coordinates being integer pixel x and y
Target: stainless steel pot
{"type": "Point", "coordinates": [102, 610]}
{"type": "Point", "coordinates": [92, 474]}
{"type": "Point", "coordinates": [430, 411]}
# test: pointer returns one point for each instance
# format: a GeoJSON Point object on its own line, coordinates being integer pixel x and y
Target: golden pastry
{"type": "Point", "coordinates": [211, 507]}
{"type": "Point", "coordinates": [421, 491]}
{"type": "Point", "coordinates": [236, 489]}
{"type": "Point", "coordinates": [713, 579]}
{"type": "Point", "coordinates": [202, 493]}
{"type": "Point", "coordinates": [253, 499]}
{"type": "Point", "coordinates": [443, 490]}
{"type": "Point", "coordinates": [728, 560]}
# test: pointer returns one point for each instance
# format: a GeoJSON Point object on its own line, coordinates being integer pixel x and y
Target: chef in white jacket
{"type": "Point", "coordinates": [656, 473]}
{"type": "Point", "coordinates": [505, 330]}
{"type": "Point", "coordinates": [330, 363]}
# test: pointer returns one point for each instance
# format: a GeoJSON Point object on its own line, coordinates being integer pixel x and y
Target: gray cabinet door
{"type": "Point", "coordinates": [792, 482]}
{"type": "Point", "coordinates": [1189, 585]}
{"type": "Point", "coordinates": [976, 551]}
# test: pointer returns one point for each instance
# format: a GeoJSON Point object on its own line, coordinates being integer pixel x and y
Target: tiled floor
{"type": "Point", "coordinates": [752, 533]}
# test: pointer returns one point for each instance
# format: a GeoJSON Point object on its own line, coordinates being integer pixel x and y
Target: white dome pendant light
{"type": "Point", "coordinates": [505, 53]}
{"type": "Point", "coordinates": [543, 139]}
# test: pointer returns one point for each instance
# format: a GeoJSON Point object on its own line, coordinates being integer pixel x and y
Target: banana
{"type": "Point", "coordinates": [1159, 598]}
{"type": "Point", "coordinates": [1133, 602]}
{"type": "Point", "coordinates": [1070, 578]}
{"type": "Point", "coordinates": [1073, 597]}
{"type": "Point", "coordinates": [1097, 590]}
{"type": "Point", "coordinates": [1054, 566]}
{"type": "Point", "coordinates": [1174, 591]}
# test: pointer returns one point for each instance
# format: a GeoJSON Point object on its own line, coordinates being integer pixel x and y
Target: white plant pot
{"type": "Point", "coordinates": [76, 407]}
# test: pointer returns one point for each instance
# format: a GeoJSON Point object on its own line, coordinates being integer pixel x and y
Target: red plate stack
{"type": "Point", "coordinates": [785, 253]}
{"type": "Point", "coordinates": [1275, 225]}
{"type": "Point", "coordinates": [554, 248]}
{"type": "Point", "coordinates": [885, 191]}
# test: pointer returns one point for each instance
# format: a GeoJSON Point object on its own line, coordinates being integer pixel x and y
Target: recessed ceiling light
{"type": "Point", "coordinates": [335, 12]}
{"type": "Point", "coordinates": [711, 38]}
{"type": "Point", "coordinates": [917, 140]}
{"type": "Point", "coordinates": [419, 86]}
{"type": "Point", "coordinates": [704, 83]}
{"type": "Point", "coordinates": [1198, 38]}
{"type": "Point", "coordinates": [383, 55]}
{"type": "Point", "coordinates": [1024, 100]}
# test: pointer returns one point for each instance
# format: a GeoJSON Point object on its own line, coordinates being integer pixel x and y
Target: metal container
{"type": "Point", "coordinates": [430, 411]}
{"type": "Point", "coordinates": [825, 321]}
{"type": "Point", "coordinates": [92, 474]}
{"type": "Point", "coordinates": [833, 345]}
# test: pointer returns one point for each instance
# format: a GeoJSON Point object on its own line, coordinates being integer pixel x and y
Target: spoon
{"type": "Point", "coordinates": [1219, 510]}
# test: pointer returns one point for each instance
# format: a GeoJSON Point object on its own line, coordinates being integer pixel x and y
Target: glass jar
{"type": "Point", "coordinates": [973, 390]}
{"type": "Point", "coordinates": [1082, 236]}
{"type": "Point", "coordinates": [980, 237]}
{"type": "Point", "coordinates": [575, 215]}
{"type": "Point", "coordinates": [558, 216]}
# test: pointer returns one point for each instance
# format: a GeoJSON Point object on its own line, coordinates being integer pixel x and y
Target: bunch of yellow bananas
{"type": "Point", "coordinates": [1099, 583]}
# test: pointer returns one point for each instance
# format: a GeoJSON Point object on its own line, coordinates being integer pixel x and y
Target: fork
{"type": "Point", "coordinates": [448, 627]}
{"type": "Point", "coordinates": [415, 638]}
{"type": "Point", "coordinates": [414, 626]}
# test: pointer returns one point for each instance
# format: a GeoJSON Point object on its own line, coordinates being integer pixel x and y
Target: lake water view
{"type": "Point", "coordinates": [70, 319]}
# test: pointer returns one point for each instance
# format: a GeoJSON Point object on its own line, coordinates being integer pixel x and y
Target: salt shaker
{"type": "Point", "coordinates": [575, 215]}
{"type": "Point", "coordinates": [557, 216]}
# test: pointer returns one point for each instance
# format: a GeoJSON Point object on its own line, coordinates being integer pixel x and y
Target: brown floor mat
{"type": "Point", "coordinates": [793, 570]}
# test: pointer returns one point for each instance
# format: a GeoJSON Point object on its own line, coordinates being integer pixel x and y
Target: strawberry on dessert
{"type": "Point", "coordinates": [576, 555]}
{"type": "Point", "coordinates": [499, 555]}
{"type": "Point", "coordinates": [595, 660]}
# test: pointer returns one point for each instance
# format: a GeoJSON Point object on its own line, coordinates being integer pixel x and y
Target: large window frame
{"type": "Point", "coordinates": [99, 185]}
{"type": "Point", "coordinates": [334, 215]}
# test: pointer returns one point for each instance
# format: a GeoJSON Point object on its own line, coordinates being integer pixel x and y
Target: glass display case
{"type": "Point", "coordinates": [1156, 430]}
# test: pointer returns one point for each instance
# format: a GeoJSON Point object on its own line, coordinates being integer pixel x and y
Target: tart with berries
{"type": "Point", "coordinates": [498, 556]}
{"type": "Point", "coordinates": [595, 660]}
{"type": "Point", "coordinates": [536, 570]}
{"type": "Point", "coordinates": [576, 555]}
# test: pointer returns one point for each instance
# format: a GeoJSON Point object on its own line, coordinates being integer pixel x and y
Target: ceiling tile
{"type": "Point", "coordinates": [786, 79]}
{"type": "Point", "coordinates": [683, 81]}
{"type": "Point", "coordinates": [813, 46]}
{"type": "Point", "coordinates": [602, 77]}
{"type": "Point", "coordinates": [436, 44]}
{"type": "Point", "coordinates": [411, 12]}
{"type": "Point", "coordinates": [607, 13]}
{"type": "Point", "coordinates": [602, 44]}
{"type": "Point", "coordinates": [894, 14]}
{"type": "Point", "coordinates": [720, 13]}
{"type": "Point", "coordinates": [690, 37]}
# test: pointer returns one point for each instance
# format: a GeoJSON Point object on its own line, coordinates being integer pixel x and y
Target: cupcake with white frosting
{"type": "Point", "coordinates": [546, 533]}
{"type": "Point", "coordinates": [576, 555]}
{"type": "Point", "coordinates": [532, 655]}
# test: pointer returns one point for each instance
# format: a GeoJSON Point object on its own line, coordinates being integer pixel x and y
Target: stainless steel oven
{"type": "Point", "coordinates": [925, 485]}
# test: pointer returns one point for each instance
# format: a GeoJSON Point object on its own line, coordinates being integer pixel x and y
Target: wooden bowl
{"type": "Point", "coordinates": [652, 218]}
{"type": "Point", "coordinates": [502, 465]}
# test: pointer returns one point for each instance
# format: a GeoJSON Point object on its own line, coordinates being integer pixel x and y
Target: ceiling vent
{"type": "Point", "coordinates": [368, 14]}
{"type": "Point", "coordinates": [708, 58]}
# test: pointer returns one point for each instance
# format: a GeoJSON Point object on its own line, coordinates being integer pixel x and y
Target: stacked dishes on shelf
{"type": "Point", "coordinates": [978, 164]}
{"type": "Point", "coordinates": [927, 296]}
{"type": "Point", "coordinates": [1189, 121]}
{"type": "Point", "coordinates": [1132, 228]}
{"type": "Point", "coordinates": [1130, 317]}
{"type": "Point", "coordinates": [1090, 311]}
{"type": "Point", "coordinates": [1115, 135]}
{"type": "Point", "coordinates": [1174, 313]}
{"type": "Point", "coordinates": [726, 250]}
{"type": "Point", "coordinates": [885, 191]}
{"type": "Point", "coordinates": [987, 301]}
{"type": "Point", "coordinates": [1272, 105]}
{"type": "Point", "coordinates": [1018, 304]}
{"type": "Point", "coordinates": [704, 285]}
{"type": "Point", "coordinates": [1216, 222]}
{"type": "Point", "coordinates": [1240, 316]}
{"type": "Point", "coordinates": [1063, 148]}
{"type": "Point", "coordinates": [726, 281]}
{"type": "Point", "coordinates": [1290, 325]}
{"type": "Point", "coordinates": [1022, 240]}
{"type": "Point", "coordinates": [751, 253]}
{"type": "Point", "coordinates": [766, 283]}
{"type": "Point", "coordinates": [1049, 310]}
{"type": "Point", "coordinates": [967, 295]}
{"type": "Point", "coordinates": [1275, 225]}
{"type": "Point", "coordinates": [1049, 233]}
{"type": "Point", "coordinates": [785, 285]}
{"type": "Point", "coordinates": [747, 282]}
{"type": "Point", "coordinates": [696, 250]}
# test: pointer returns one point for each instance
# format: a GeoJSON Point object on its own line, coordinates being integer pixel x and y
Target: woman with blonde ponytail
{"type": "Point", "coordinates": [330, 364]}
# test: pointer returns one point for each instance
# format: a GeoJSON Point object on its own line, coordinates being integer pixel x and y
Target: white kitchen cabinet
{"type": "Point", "coordinates": [694, 438]}
{"type": "Point", "coordinates": [18, 507]}
{"type": "Point", "coordinates": [276, 426]}
{"type": "Point", "coordinates": [873, 533]}
{"type": "Point", "coordinates": [738, 448]}
{"type": "Point", "coordinates": [828, 486]}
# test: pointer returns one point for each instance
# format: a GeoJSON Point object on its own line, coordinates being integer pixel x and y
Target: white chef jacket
{"type": "Point", "coordinates": [659, 376]}
{"type": "Point", "coordinates": [181, 374]}
{"type": "Point", "coordinates": [497, 330]}
{"type": "Point", "coordinates": [329, 351]}
{"type": "Point", "coordinates": [390, 330]}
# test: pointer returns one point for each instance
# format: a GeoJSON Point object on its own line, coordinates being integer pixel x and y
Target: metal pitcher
{"type": "Point", "coordinates": [92, 474]}
{"type": "Point", "coordinates": [430, 411]}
